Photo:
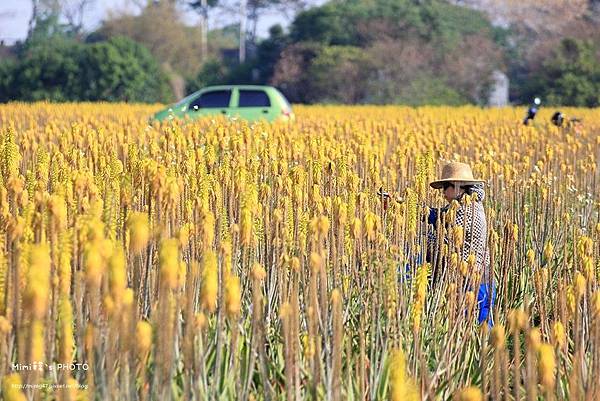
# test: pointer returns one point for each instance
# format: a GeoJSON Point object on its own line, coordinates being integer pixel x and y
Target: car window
{"type": "Point", "coordinates": [254, 98]}
{"type": "Point", "coordinates": [212, 99]}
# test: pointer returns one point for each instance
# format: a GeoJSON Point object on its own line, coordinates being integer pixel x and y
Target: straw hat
{"type": "Point", "coordinates": [455, 172]}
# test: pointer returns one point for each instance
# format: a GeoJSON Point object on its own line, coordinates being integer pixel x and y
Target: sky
{"type": "Point", "coordinates": [15, 15]}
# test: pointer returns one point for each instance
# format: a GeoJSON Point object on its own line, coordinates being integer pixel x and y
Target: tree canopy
{"type": "Point", "coordinates": [56, 67]}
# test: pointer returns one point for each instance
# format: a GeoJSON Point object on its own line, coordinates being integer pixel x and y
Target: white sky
{"type": "Point", "coordinates": [15, 15]}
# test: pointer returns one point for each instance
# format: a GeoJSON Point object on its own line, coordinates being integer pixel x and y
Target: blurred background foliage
{"type": "Point", "coordinates": [378, 51]}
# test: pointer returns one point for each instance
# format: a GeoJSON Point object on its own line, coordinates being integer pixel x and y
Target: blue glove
{"type": "Point", "coordinates": [432, 219]}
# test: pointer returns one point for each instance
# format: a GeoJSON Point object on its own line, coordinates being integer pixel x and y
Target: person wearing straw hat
{"type": "Point", "coordinates": [458, 184]}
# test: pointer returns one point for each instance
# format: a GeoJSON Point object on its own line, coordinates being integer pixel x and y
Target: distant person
{"type": "Point", "coordinates": [532, 111]}
{"type": "Point", "coordinates": [560, 120]}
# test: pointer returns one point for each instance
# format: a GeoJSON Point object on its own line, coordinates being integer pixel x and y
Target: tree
{"type": "Point", "coordinates": [269, 52]}
{"type": "Point", "coordinates": [173, 44]}
{"type": "Point", "coordinates": [66, 70]}
{"type": "Point", "coordinates": [203, 7]}
{"type": "Point", "coordinates": [339, 75]}
{"type": "Point", "coordinates": [290, 72]}
{"type": "Point", "coordinates": [570, 76]}
{"type": "Point", "coordinates": [48, 72]}
{"type": "Point", "coordinates": [415, 52]}
{"type": "Point", "coordinates": [121, 69]}
{"type": "Point", "coordinates": [7, 68]}
{"type": "Point", "coordinates": [161, 29]}
{"type": "Point", "coordinates": [250, 12]}
{"type": "Point", "coordinates": [213, 72]}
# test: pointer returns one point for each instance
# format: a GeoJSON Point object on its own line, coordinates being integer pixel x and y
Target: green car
{"type": "Point", "coordinates": [249, 102]}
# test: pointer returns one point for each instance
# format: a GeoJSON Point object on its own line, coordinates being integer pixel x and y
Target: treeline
{"type": "Point", "coordinates": [351, 51]}
{"type": "Point", "coordinates": [53, 65]}
{"type": "Point", "coordinates": [385, 51]}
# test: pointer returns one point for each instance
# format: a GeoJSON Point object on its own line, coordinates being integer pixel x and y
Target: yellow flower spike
{"type": "Point", "coordinates": [200, 321]}
{"type": "Point", "coordinates": [181, 274]}
{"type": "Point", "coordinates": [169, 262]}
{"type": "Point", "coordinates": [73, 389]}
{"type": "Point", "coordinates": [451, 291]}
{"type": "Point", "coordinates": [458, 235]}
{"type": "Point", "coordinates": [498, 337]}
{"type": "Point", "coordinates": [546, 366]}
{"type": "Point", "coordinates": [548, 251]}
{"type": "Point", "coordinates": [128, 297]}
{"type": "Point", "coordinates": [530, 257]}
{"type": "Point", "coordinates": [419, 297]}
{"type": "Point", "coordinates": [117, 275]}
{"type": "Point", "coordinates": [109, 306]}
{"type": "Point", "coordinates": [559, 335]}
{"type": "Point", "coordinates": [402, 386]}
{"type": "Point", "coordinates": [308, 345]}
{"type": "Point", "coordinates": [246, 227]}
{"type": "Point", "coordinates": [571, 301]}
{"type": "Point", "coordinates": [588, 268]}
{"type": "Point", "coordinates": [5, 326]}
{"type": "Point", "coordinates": [207, 227]}
{"type": "Point", "coordinates": [464, 267]}
{"type": "Point", "coordinates": [471, 259]}
{"type": "Point", "coordinates": [36, 346]}
{"type": "Point", "coordinates": [580, 285]}
{"type": "Point", "coordinates": [454, 260]}
{"type": "Point", "coordinates": [183, 236]}
{"type": "Point", "coordinates": [411, 205]}
{"type": "Point", "coordinates": [356, 228]}
{"type": "Point", "coordinates": [470, 393]}
{"type": "Point", "coordinates": [585, 246]}
{"type": "Point", "coordinates": [545, 276]}
{"type": "Point", "coordinates": [534, 339]}
{"type": "Point", "coordinates": [517, 320]}
{"type": "Point", "coordinates": [232, 296]}
{"type": "Point", "coordinates": [58, 211]}
{"type": "Point", "coordinates": [38, 278]}
{"type": "Point", "coordinates": [323, 226]}
{"type": "Point", "coordinates": [313, 225]}
{"type": "Point", "coordinates": [11, 388]}
{"type": "Point", "coordinates": [470, 300]}
{"type": "Point", "coordinates": [421, 282]}
{"type": "Point", "coordinates": [295, 264]}
{"type": "Point", "coordinates": [143, 337]}
{"type": "Point", "coordinates": [316, 262]}
{"type": "Point", "coordinates": [210, 282]}
{"type": "Point", "coordinates": [225, 251]}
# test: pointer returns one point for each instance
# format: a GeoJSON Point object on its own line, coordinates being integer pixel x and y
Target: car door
{"type": "Point", "coordinates": [254, 104]}
{"type": "Point", "coordinates": [212, 102]}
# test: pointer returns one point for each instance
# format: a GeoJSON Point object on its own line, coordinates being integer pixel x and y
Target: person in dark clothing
{"type": "Point", "coordinates": [456, 182]}
{"type": "Point", "coordinates": [560, 120]}
{"type": "Point", "coordinates": [532, 111]}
